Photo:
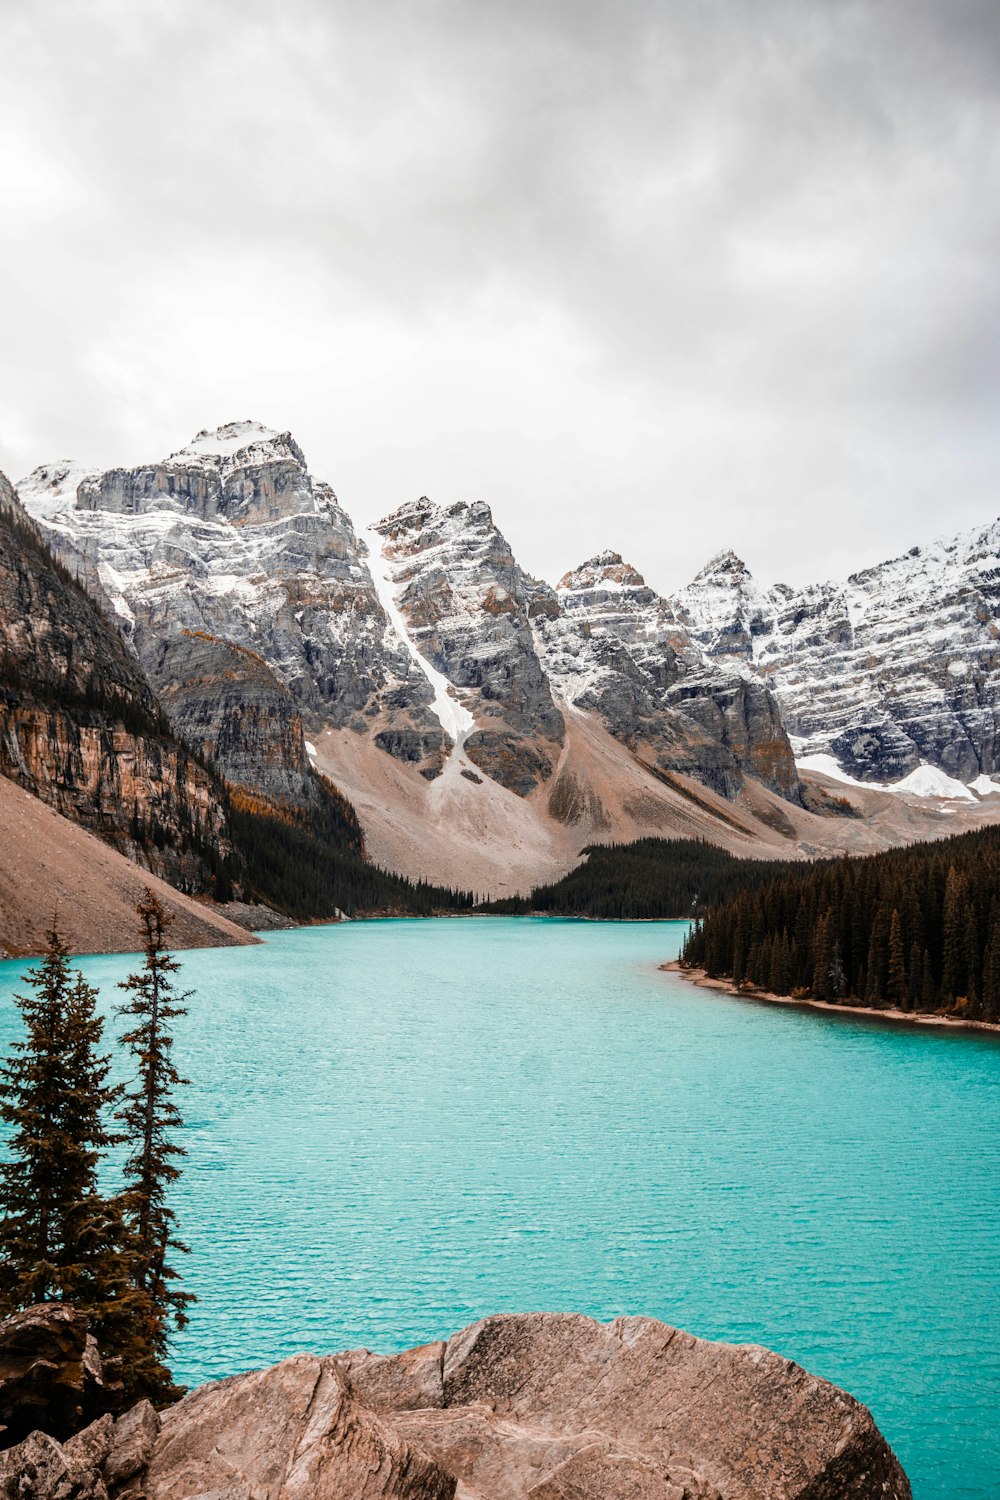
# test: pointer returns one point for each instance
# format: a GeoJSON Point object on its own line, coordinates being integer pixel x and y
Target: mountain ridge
{"type": "Point", "coordinates": [479, 717]}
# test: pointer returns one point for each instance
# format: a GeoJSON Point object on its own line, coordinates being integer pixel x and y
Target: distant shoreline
{"type": "Point", "coordinates": [897, 1017]}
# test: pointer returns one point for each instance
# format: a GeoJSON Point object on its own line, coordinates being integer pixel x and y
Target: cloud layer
{"type": "Point", "coordinates": [662, 277]}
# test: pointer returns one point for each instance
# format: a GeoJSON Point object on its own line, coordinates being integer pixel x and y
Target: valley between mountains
{"type": "Point", "coordinates": [207, 639]}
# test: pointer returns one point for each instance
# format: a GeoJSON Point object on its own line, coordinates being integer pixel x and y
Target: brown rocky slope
{"type": "Point", "coordinates": [80, 726]}
{"type": "Point", "coordinates": [51, 867]}
{"type": "Point", "coordinates": [516, 1407]}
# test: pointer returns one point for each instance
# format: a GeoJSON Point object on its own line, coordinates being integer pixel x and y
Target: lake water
{"type": "Point", "coordinates": [396, 1127]}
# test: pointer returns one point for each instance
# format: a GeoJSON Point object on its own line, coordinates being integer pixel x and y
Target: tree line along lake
{"type": "Point", "coordinates": [394, 1127]}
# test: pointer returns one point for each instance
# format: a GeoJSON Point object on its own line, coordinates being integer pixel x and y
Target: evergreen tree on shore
{"type": "Point", "coordinates": [62, 1238]}
{"type": "Point", "coordinates": [916, 929]}
{"type": "Point", "coordinates": [149, 1116]}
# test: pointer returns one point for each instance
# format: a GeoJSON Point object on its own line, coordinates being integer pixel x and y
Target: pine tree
{"type": "Point", "coordinates": [896, 981]}
{"type": "Point", "coordinates": [823, 951]}
{"type": "Point", "coordinates": [953, 938]}
{"type": "Point", "coordinates": [149, 1116]}
{"type": "Point", "coordinates": [62, 1238]}
{"type": "Point", "coordinates": [34, 1187]}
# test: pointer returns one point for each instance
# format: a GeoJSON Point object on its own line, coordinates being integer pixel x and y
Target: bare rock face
{"type": "Point", "coordinates": [232, 537]}
{"type": "Point", "coordinates": [295, 1432]}
{"type": "Point", "coordinates": [467, 605]}
{"type": "Point", "coordinates": [50, 1372]}
{"type": "Point", "coordinates": [101, 1461]}
{"type": "Point", "coordinates": [894, 667]}
{"type": "Point", "coordinates": [225, 700]}
{"type": "Point", "coordinates": [535, 1407]}
{"type": "Point", "coordinates": [79, 725]}
{"type": "Point", "coordinates": [613, 645]}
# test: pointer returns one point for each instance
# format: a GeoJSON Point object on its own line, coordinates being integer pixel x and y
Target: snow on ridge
{"type": "Point", "coordinates": [228, 440]}
{"type": "Point", "coordinates": [51, 488]}
{"type": "Point", "coordinates": [925, 781]}
{"type": "Point", "coordinates": [454, 718]}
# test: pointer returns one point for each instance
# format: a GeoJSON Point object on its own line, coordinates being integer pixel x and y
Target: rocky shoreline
{"type": "Point", "coordinates": [540, 1406]}
{"type": "Point", "coordinates": [896, 1017]}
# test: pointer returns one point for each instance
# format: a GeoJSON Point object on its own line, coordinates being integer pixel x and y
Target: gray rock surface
{"type": "Point", "coordinates": [232, 539]}
{"type": "Point", "coordinates": [79, 724]}
{"type": "Point", "coordinates": [613, 645]}
{"type": "Point", "coordinates": [467, 605]}
{"type": "Point", "coordinates": [896, 666]}
{"type": "Point", "coordinates": [226, 701]}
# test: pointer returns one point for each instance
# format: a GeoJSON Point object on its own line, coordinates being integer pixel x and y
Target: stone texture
{"type": "Point", "coordinates": [90, 1448]}
{"type": "Point", "coordinates": [896, 666]}
{"type": "Point", "coordinates": [294, 1432]}
{"type": "Point", "coordinates": [130, 1444]}
{"type": "Point", "coordinates": [467, 605]}
{"type": "Point", "coordinates": [234, 538]}
{"type": "Point", "coordinates": [39, 1469]}
{"type": "Point", "coordinates": [226, 701]}
{"type": "Point", "coordinates": [79, 725]}
{"type": "Point", "coordinates": [50, 1375]}
{"type": "Point", "coordinates": [611, 644]}
{"type": "Point", "coordinates": [532, 1407]}
{"type": "Point", "coordinates": [550, 1406]}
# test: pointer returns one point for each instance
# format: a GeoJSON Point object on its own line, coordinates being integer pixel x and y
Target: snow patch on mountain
{"type": "Point", "coordinates": [51, 489]}
{"type": "Point", "coordinates": [925, 781]}
{"type": "Point", "coordinates": [895, 668]}
{"type": "Point", "coordinates": [454, 718]}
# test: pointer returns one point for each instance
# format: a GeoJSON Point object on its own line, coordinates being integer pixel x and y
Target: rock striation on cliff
{"type": "Point", "coordinates": [516, 1407]}
{"type": "Point", "coordinates": [897, 667]}
{"type": "Point", "coordinates": [613, 645]}
{"type": "Point", "coordinates": [486, 725]}
{"type": "Point", "coordinates": [232, 540]}
{"type": "Point", "coordinates": [80, 727]}
{"type": "Point", "coordinates": [467, 606]}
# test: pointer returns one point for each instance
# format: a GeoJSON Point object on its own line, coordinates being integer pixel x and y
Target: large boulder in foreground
{"type": "Point", "coordinates": [535, 1407]}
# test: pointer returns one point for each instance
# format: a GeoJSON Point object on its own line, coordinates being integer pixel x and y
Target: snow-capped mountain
{"type": "Point", "coordinates": [612, 645]}
{"type": "Point", "coordinates": [232, 540]}
{"type": "Point", "coordinates": [485, 724]}
{"type": "Point", "coordinates": [896, 668]}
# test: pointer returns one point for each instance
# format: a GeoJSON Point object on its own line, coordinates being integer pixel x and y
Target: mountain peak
{"type": "Point", "coordinates": [725, 566]}
{"type": "Point", "coordinates": [607, 569]}
{"type": "Point", "coordinates": [235, 438]}
{"type": "Point", "coordinates": [414, 515]}
{"type": "Point", "coordinates": [52, 487]}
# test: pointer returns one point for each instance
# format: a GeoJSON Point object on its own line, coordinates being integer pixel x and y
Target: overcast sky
{"type": "Point", "coordinates": [667, 277]}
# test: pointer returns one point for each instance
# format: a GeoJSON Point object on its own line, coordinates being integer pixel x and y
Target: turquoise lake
{"type": "Point", "coordinates": [396, 1127]}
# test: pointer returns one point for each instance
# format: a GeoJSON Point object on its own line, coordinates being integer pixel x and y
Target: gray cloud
{"type": "Point", "coordinates": [668, 277]}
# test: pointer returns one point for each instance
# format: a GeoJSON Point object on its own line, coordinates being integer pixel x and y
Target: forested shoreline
{"type": "Point", "coordinates": [914, 929]}
{"type": "Point", "coordinates": [648, 880]}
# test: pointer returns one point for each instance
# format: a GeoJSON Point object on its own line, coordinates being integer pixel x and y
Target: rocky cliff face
{"type": "Point", "coordinates": [233, 538]}
{"type": "Point", "coordinates": [426, 634]}
{"type": "Point", "coordinates": [80, 727]}
{"type": "Point", "coordinates": [897, 666]}
{"type": "Point", "coordinates": [536, 1407]}
{"type": "Point", "coordinates": [467, 606]}
{"type": "Point", "coordinates": [611, 644]}
{"type": "Point", "coordinates": [225, 700]}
